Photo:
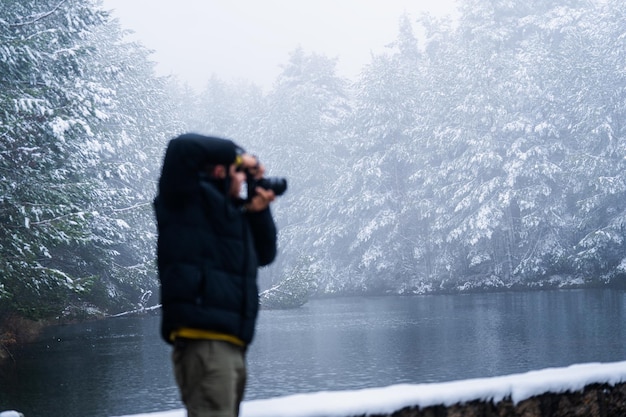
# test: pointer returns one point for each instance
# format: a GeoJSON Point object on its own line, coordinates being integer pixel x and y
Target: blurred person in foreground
{"type": "Point", "coordinates": [210, 245]}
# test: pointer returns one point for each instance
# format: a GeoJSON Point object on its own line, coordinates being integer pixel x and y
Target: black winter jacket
{"type": "Point", "coordinates": [208, 249]}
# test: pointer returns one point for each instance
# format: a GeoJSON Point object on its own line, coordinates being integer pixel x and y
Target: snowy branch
{"type": "Point", "coordinates": [134, 207]}
{"type": "Point", "coordinates": [40, 17]}
{"type": "Point", "coordinates": [58, 218]}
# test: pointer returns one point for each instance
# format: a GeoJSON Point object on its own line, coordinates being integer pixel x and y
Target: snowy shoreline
{"type": "Point", "coordinates": [386, 400]}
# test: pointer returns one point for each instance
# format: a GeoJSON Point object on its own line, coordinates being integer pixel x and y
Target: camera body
{"type": "Point", "coordinates": [276, 184]}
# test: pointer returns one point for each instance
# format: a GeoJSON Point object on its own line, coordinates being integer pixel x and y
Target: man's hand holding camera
{"type": "Point", "coordinates": [261, 197]}
{"type": "Point", "coordinates": [261, 191]}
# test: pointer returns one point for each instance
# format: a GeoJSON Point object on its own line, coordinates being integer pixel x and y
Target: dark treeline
{"type": "Point", "coordinates": [486, 152]}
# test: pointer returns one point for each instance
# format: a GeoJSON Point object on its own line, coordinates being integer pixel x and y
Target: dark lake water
{"type": "Point", "coordinates": [120, 366]}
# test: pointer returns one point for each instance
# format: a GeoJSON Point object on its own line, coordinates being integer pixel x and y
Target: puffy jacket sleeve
{"type": "Point", "coordinates": [264, 235]}
{"type": "Point", "coordinates": [187, 155]}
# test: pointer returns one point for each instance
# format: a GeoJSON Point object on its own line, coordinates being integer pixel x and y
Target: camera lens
{"type": "Point", "coordinates": [276, 184]}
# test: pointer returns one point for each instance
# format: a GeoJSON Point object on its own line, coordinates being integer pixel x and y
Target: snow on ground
{"type": "Point", "coordinates": [389, 399]}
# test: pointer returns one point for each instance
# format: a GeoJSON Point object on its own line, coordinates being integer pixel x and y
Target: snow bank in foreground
{"type": "Point", "coordinates": [389, 399]}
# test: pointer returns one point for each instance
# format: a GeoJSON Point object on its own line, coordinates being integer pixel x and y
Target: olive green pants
{"type": "Point", "coordinates": [211, 376]}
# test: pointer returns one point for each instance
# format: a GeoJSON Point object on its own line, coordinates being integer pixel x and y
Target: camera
{"type": "Point", "coordinates": [276, 184]}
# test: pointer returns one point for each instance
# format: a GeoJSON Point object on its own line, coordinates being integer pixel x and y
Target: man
{"type": "Point", "coordinates": [210, 245]}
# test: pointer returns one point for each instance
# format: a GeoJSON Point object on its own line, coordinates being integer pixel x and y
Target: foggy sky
{"type": "Point", "coordinates": [251, 39]}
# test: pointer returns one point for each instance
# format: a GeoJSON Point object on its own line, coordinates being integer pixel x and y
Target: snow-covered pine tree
{"type": "Point", "coordinates": [45, 135]}
{"type": "Point", "coordinates": [374, 203]}
{"type": "Point", "coordinates": [299, 138]}
{"type": "Point", "coordinates": [131, 134]}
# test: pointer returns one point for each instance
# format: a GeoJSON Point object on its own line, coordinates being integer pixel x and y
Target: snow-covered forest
{"type": "Point", "coordinates": [486, 152]}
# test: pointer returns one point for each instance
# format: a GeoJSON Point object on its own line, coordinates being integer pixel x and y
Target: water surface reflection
{"type": "Point", "coordinates": [120, 366]}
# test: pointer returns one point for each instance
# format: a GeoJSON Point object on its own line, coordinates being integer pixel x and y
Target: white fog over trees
{"type": "Point", "coordinates": [486, 152]}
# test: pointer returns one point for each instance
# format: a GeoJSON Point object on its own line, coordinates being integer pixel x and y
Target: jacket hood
{"type": "Point", "coordinates": [187, 156]}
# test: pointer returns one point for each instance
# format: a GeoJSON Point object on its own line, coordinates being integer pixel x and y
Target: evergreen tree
{"type": "Point", "coordinates": [374, 204]}
{"type": "Point", "coordinates": [83, 128]}
{"type": "Point", "coordinates": [132, 133]}
{"type": "Point", "coordinates": [300, 138]}
{"type": "Point", "coordinates": [46, 143]}
{"type": "Point", "coordinates": [231, 110]}
{"type": "Point", "coordinates": [594, 95]}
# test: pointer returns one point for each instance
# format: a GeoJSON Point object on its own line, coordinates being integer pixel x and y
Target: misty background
{"type": "Point", "coordinates": [483, 151]}
{"type": "Point", "coordinates": [251, 40]}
